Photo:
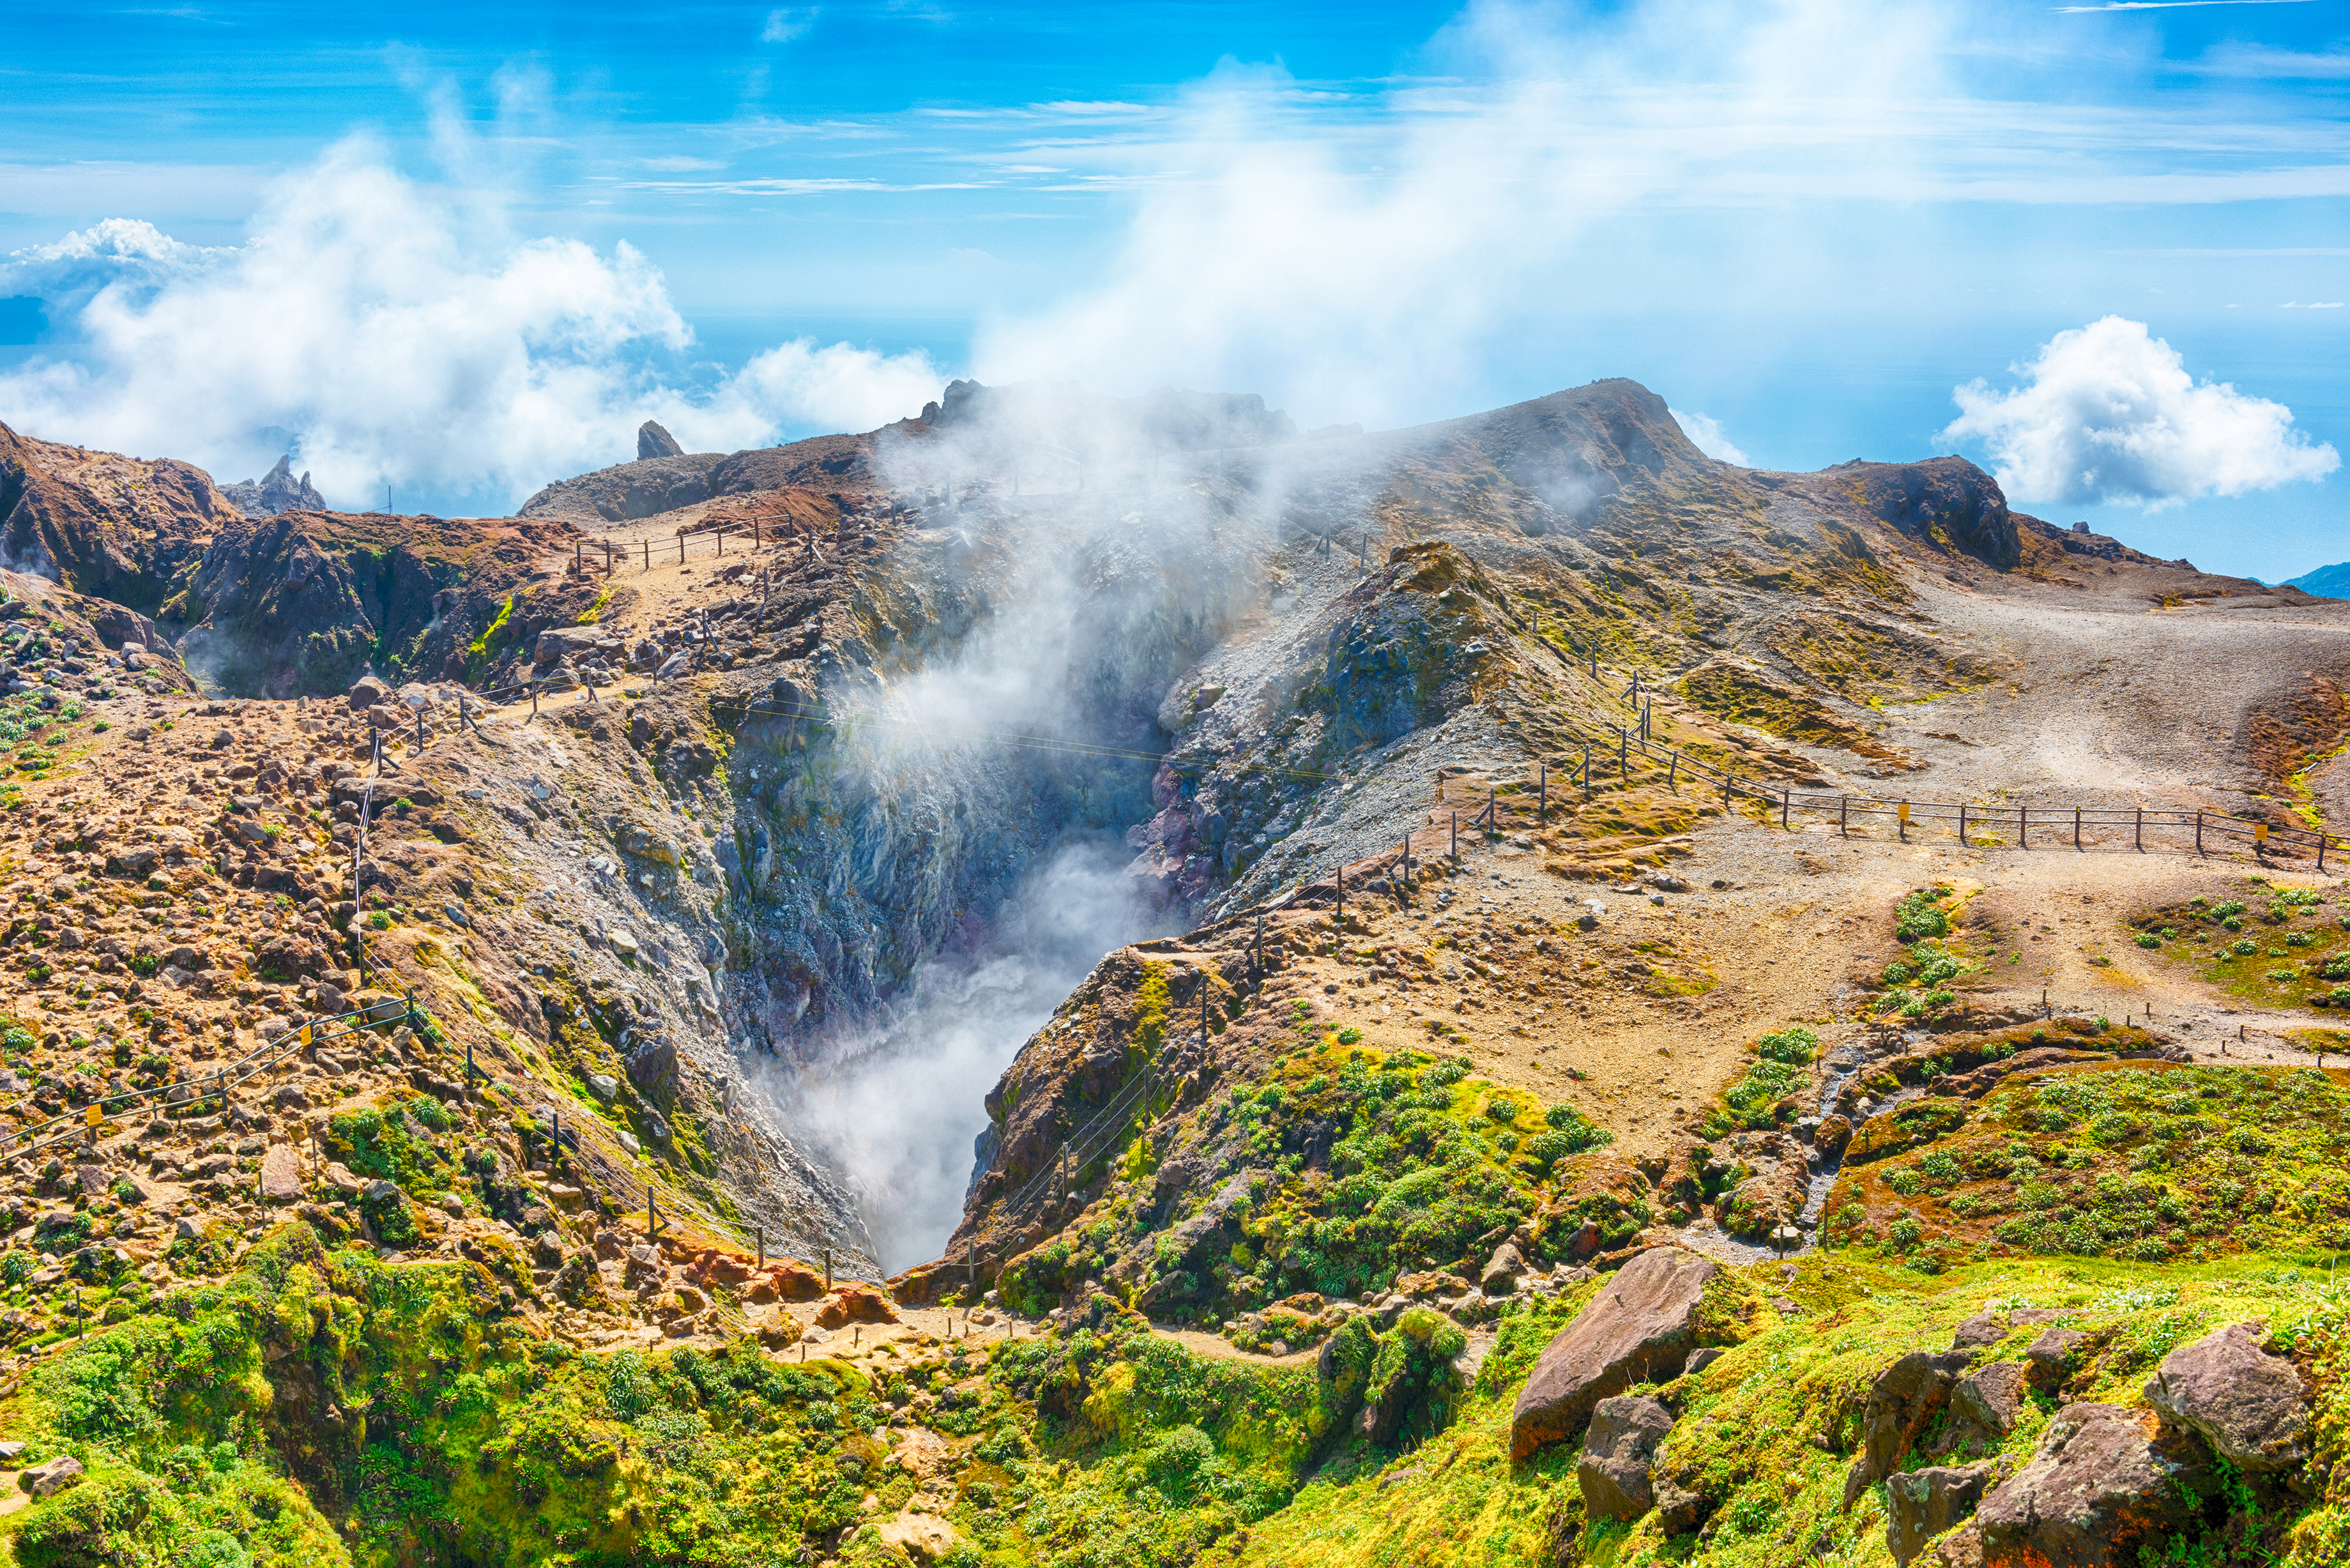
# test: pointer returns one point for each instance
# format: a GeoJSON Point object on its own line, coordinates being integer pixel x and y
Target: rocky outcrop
{"type": "Point", "coordinates": [100, 523]}
{"type": "Point", "coordinates": [2105, 1481]}
{"type": "Point", "coordinates": [1617, 1452]}
{"type": "Point", "coordinates": [628, 489]}
{"type": "Point", "coordinates": [275, 492]}
{"type": "Point", "coordinates": [653, 441]}
{"type": "Point", "coordinates": [1922, 1504]}
{"type": "Point", "coordinates": [1946, 501]}
{"type": "Point", "coordinates": [1645, 1320]}
{"type": "Point", "coordinates": [302, 603]}
{"type": "Point", "coordinates": [2247, 1404]}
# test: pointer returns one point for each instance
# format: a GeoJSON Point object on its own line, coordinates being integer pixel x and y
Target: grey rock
{"type": "Point", "coordinates": [51, 1476]}
{"type": "Point", "coordinates": [369, 692]}
{"type": "Point", "coordinates": [1502, 1270]}
{"type": "Point", "coordinates": [2106, 1481]}
{"type": "Point", "coordinates": [1645, 1318]}
{"type": "Point", "coordinates": [1922, 1504]}
{"type": "Point", "coordinates": [1617, 1452]}
{"type": "Point", "coordinates": [653, 441]}
{"type": "Point", "coordinates": [2247, 1404]}
{"type": "Point", "coordinates": [275, 492]}
{"type": "Point", "coordinates": [1699, 1359]}
{"type": "Point", "coordinates": [603, 1085]}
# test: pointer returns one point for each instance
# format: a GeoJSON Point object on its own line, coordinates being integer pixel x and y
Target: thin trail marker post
{"type": "Point", "coordinates": [1672, 770]}
{"type": "Point", "coordinates": [1963, 822]}
{"type": "Point", "coordinates": [2198, 833]}
{"type": "Point", "coordinates": [1786, 805]}
{"type": "Point", "coordinates": [1456, 836]}
{"type": "Point", "coordinates": [2076, 827]}
{"type": "Point", "coordinates": [2022, 826]}
{"type": "Point", "coordinates": [1844, 814]}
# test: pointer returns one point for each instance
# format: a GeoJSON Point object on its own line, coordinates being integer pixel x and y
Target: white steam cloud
{"type": "Point", "coordinates": [2108, 412]}
{"type": "Point", "coordinates": [896, 1108]}
{"type": "Point", "coordinates": [1705, 433]}
{"type": "Point", "coordinates": [404, 340]}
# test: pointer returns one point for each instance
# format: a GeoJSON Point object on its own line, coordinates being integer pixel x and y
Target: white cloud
{"type": "Point", "coordinates": [786, 23]}
{"type": "Point", "coordinates": [2109, 413]}
{"type": "Point", "coordinates": [408, 340]}
{"type": "Point", "coordinates": [1705, 433]}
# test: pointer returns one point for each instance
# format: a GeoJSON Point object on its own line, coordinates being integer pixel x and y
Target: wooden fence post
{"type": "Point", "coordinates": [2076, 827]}
{"type": "Point", "coordinates": [2022, 825]}
{"type": "Point", "coordinates": [1844, 814]}
{"type": "Point", "coordinates": [1963, 822]}
{"type": "Point", "coordinates": [2138, 837]}
{"type": "Point", "coordinates": [2198, 833]}
{"type": "Point", "coordinates": [1786, 802]}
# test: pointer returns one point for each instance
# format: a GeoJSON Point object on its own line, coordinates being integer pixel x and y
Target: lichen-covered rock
{"type": "Point", "coordinates": [1922, 1504]}
{"type": "Point", "coordinates": [2106, 1481]}
{"type": "Point", "coordinates": [1985, 1405]}
{"type": "Point", "coordinates": [2247, 1404]}
{"type": "Point", "coordinates": [1644, 1321]}
{"type": "Point", "coordinates": [1617, 1450]}
{"type": "Point", "coordinates": [51, 1476]}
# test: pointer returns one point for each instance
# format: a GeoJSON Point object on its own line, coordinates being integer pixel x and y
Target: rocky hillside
{"type": "Point", "coordinates": [1517, 1151]}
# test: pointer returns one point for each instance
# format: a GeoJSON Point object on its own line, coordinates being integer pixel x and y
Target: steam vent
{"type": "Point", "coordinates": [1079, 979]}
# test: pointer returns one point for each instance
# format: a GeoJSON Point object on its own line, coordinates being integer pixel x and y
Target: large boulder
{"type": "Point", "coordinates": [51, 1476]}
{"type": "Point", "coordinates": [1644, 1321]}
{"type": "Point", "coordinates": [1904, 1399]}
{"type": "Point", "coordinates": [652, 441]}
{"type": "Point", "coordinates": [2247, 1404]}
{"type": "Point", "coordinates": [1922, 1504]}
{"type": "Point", "coordinates": [2105, 1481]}
{"type": "Point", "coordinates": [1617, 1452]}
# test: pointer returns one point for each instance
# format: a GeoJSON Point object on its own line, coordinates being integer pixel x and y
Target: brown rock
{"type": "Point", "coordinates": [1617, 1453]}
{"type": "Point", "coordinates": [2106, 1481]}
{"type": "Point", "coordinates": [1979, 1331]}
{"type": "Point", "coordinates": [1904, 1399]}
{"type": "Point", "coordinates": [2247, 1404]}
{"type": "Point", "coordinates": [1644, 1319]}
{"type": "Point", "coordinates": [369, 692]}
{"type": "Point", "coordinates": [281, 1175]}
{"type": "Point", "coordinates": [2051, 1359]}
{"type": "Point", "coordinates": [1990, 1400]}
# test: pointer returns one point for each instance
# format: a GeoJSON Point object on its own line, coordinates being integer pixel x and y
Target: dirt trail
{"type": "Point", "coordinates": [1802, 917]}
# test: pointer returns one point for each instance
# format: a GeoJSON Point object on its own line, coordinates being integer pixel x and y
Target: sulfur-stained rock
{"type": "Point", "coordinates": [1645, 1320]}
{"type": "Point", "coordinates": [853, 1303]}
{"type": "Point", "coordinates": [924, 1537]}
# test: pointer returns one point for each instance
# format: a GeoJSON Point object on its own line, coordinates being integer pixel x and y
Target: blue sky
{"type": "Point", "coordinates": [464, 249]}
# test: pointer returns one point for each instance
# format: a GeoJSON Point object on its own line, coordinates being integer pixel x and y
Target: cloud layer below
{"type": "Point", "coordinates": [409, 341]}
{"type": "Point", "coordinates": [2109, 412]}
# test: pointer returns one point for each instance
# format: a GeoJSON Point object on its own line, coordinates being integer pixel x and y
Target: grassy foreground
{"type": "Point", "coordinates": [322, 1408]}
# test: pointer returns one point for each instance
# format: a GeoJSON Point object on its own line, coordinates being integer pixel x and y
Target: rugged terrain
{"type": "Point", "coordinates": [431, 939]}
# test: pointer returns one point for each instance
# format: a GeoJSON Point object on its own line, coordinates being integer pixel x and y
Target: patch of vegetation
{"type": "Point", "coordinates": [1345, 1167]}
{"type": "Point", "coordinates": [2277, 922]}
{"type": "Point", "coordinates": [2140, 1161]}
